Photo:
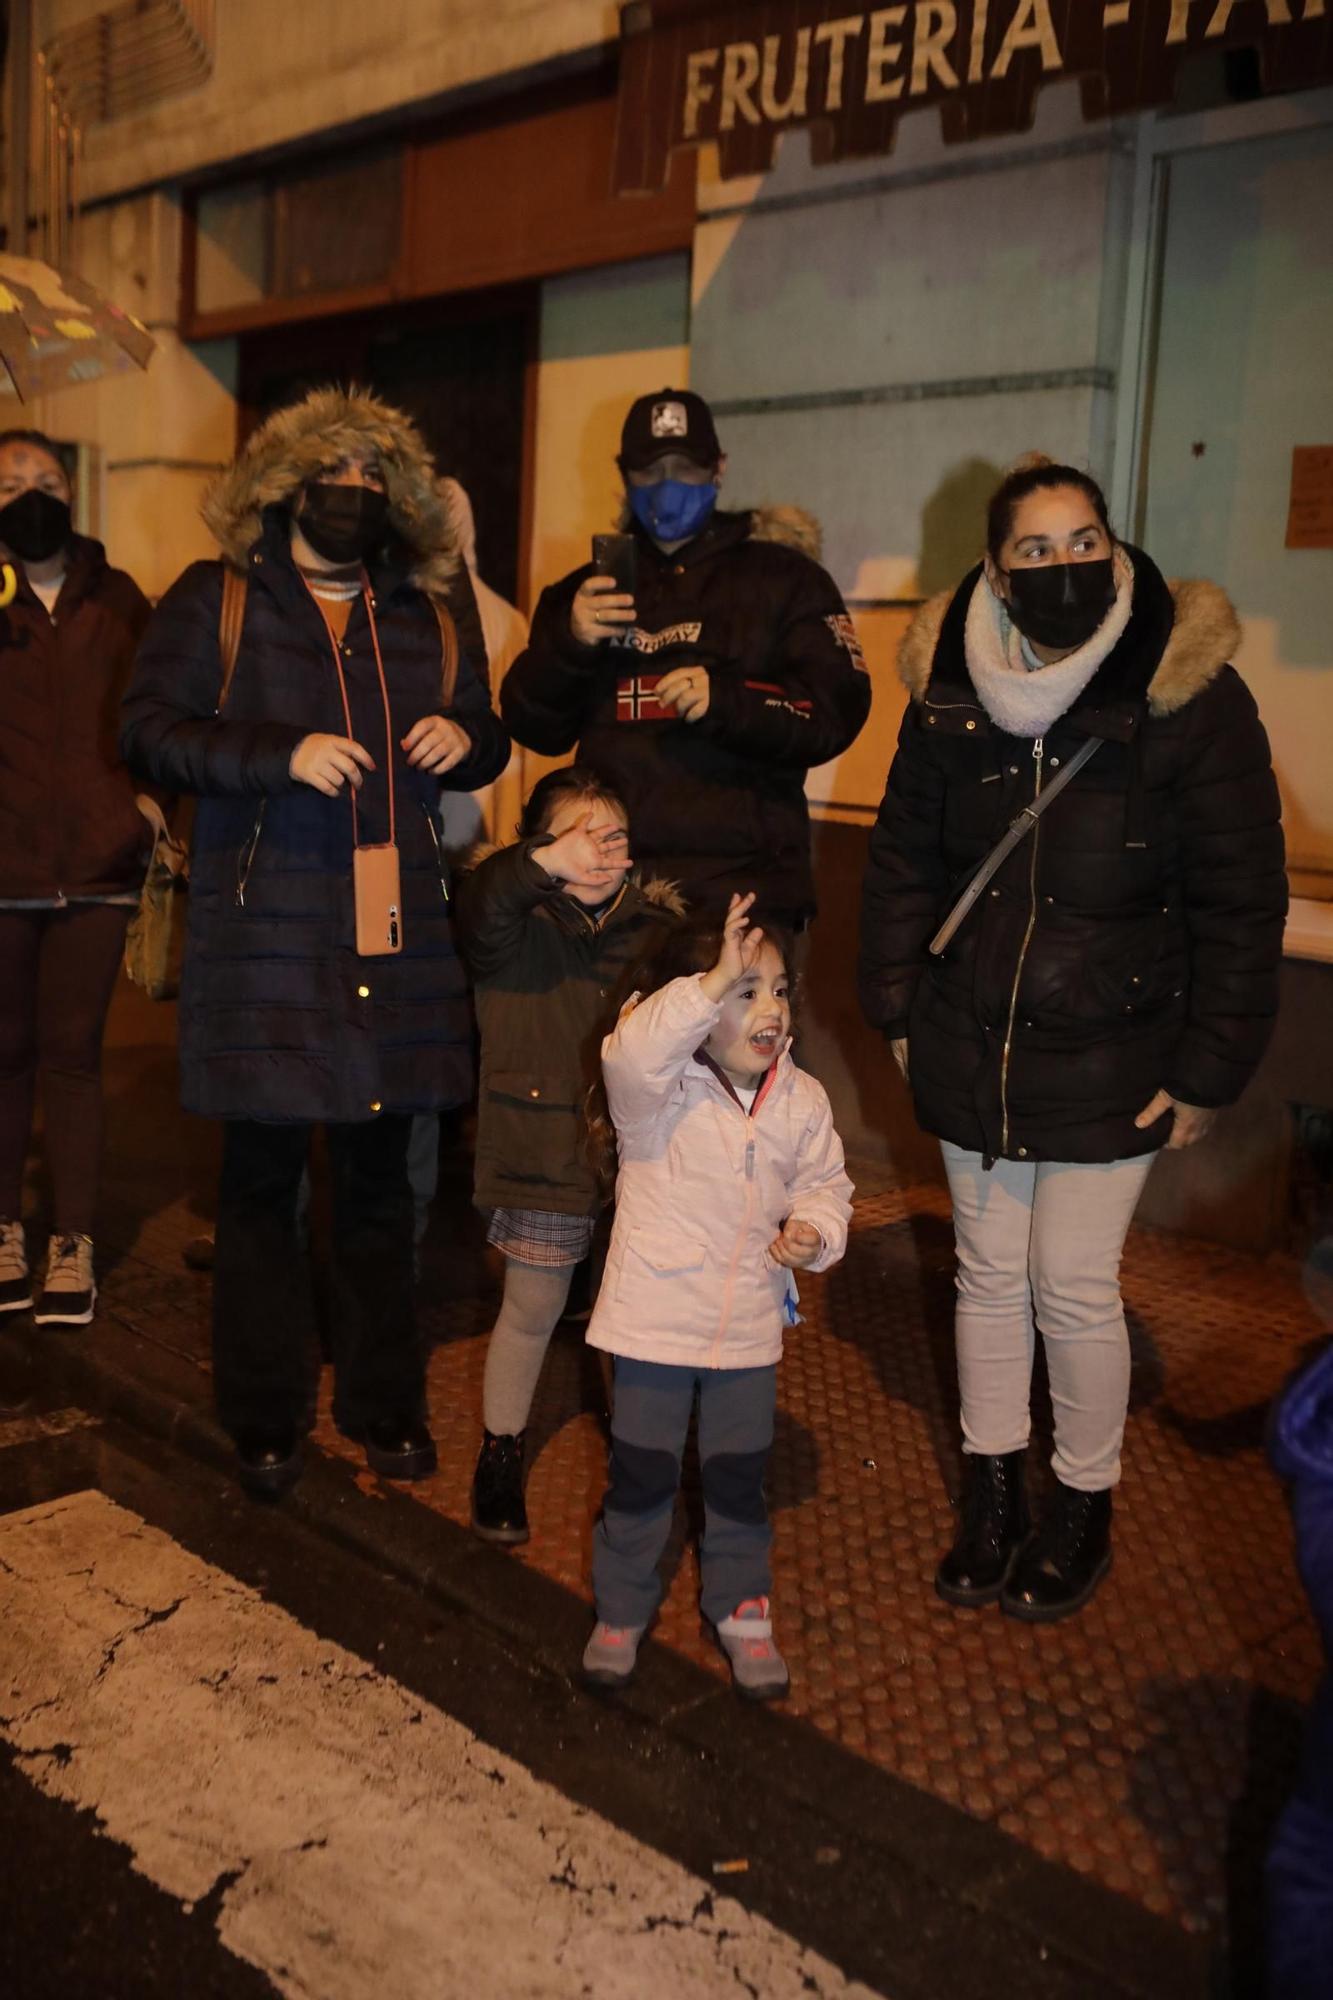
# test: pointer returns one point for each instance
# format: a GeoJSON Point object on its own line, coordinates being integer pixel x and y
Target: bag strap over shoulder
{"type": "Point", "coordinates": [235, 584]}
{"type": "Point", "coordinates": [1019, 828]}
{"type": "Point", "coordinates": [231, 618]}
{"type": "Point", "coordinates": [448, 652]}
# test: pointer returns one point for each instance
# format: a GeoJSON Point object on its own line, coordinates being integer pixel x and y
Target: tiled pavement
{"type": "Point", "coordinates": [1146, 1743]}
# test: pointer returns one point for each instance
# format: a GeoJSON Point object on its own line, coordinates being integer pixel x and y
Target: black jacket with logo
{"type": "Point", "coordinates": [717, 805]}
{"type": "Point", "coordinates": [1132, 942]}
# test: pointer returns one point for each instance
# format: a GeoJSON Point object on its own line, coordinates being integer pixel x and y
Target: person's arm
{"type": "Point", "coordinates": [646, 1053]}
{"type": "Point", "coordinates": [1234, 895]}
{"type": "Point", "coordinates": [820, 1192]}
{"type": "Point", "coordinates": [171, 732]}
{"type": "Point", "coordinates": [812, 696]}
{"type": "Point", "coordinates": [549, 690]}
{"type": "Point", "coordinates": [489, 739]}
{"type": "Point", "coordinates": [495, 903]}
{"type": "Point", "coordinates": [905, 883]}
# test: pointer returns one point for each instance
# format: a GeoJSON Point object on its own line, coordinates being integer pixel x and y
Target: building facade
{"type": "Point", "coordinates": [424, 196]}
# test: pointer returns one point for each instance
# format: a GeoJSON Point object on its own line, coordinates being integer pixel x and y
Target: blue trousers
{"type": "Point", "coordinates": [649, 1424]}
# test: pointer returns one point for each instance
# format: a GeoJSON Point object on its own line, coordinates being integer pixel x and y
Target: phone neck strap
{"type": "Point", "coordinates": [336, 651]}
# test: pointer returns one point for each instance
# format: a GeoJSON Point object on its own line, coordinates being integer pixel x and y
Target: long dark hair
{"type": "Point", "coordinates": [682, 952]}
{"type": "Point", "coordinates": [1037, 474]}
{"type": "Point", "coordinates": [571, 781]}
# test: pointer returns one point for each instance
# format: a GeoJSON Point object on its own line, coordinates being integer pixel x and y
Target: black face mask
{"type": "Point", "coordinates": [343, 523]}
{"type": "Point", "coordinates": [1060, 605]}
{"type": "Point", "coordinates": [35, 526]}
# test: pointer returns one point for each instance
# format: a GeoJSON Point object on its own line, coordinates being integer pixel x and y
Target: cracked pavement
{"type": "Point", "coordinates": [323, 1817]}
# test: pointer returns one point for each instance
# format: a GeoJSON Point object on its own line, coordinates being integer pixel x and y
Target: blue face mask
{"type": "Point", "coordinates": [672, 510]}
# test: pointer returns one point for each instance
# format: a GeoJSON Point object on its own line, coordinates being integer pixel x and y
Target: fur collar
{"type": "Point", "coordinates": [654, 889]}
{"type": "Point", "coordinates": [293, 445]}
{"type": "Point", "coordinates": [1205, 633]}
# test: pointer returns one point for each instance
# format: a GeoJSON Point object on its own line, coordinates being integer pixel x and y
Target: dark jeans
{"type": "Point", "coordinates": [57, 973]}
{"type": "Point", "coordinates": [261, 1292]}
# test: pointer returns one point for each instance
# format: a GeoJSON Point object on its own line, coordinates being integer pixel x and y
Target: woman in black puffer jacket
{"type": "Point", "coordinates": [336, 731]}
{"type": "Point", "coordinates": [1114, 985]}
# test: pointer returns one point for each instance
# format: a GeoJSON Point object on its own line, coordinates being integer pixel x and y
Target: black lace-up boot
{"type": "Point", "coordinates": [1066, 1559]}
{"type": "Point", "coordinates": [993, 1528]}
{"type": "Point", "coordinates": [498, 1511]}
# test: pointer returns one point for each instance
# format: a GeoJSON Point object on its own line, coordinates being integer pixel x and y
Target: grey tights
{"type": "Point", "coordinates": [534, 1298]}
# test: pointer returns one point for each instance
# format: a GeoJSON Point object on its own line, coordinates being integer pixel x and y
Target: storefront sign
{"type": "Point", "coordinates": [1310, 514]}
{"type": "Point", "coordinates": [696, 69]}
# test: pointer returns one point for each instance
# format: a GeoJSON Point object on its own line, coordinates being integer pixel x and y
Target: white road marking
{"type": "Point", "coordinates": [360, 1839]}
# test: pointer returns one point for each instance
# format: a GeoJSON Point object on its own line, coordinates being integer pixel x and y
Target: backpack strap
{"type": "Point", "coordinates": [448, 652]}
{"type": "Point", "coordinates": [235, 584]}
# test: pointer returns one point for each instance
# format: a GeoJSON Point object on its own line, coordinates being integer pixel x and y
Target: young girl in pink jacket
{"type": "Point", "coordinates": [731, 1178]}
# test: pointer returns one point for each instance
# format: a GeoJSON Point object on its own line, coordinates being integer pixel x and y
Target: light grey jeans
{"type": "Point", "coordinates": [1044, 1238]}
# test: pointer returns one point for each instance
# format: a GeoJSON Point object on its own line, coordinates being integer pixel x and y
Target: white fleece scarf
{"type": "Point", "coordinates": [1020, 698]}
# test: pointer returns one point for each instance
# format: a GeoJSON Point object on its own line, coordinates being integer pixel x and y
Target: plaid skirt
{"type": "Point", "coordinates": [536, 1236]}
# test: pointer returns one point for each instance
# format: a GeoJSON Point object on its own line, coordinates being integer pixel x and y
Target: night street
{"type": "Point", "coordinates": [428, 1683]}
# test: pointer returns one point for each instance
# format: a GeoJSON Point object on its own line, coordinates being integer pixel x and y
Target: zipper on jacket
{"type": "Point", "coordinates": [439, 851]}
{"type": "Point", "coordinates": [246, 859]}
{"type": "Point", "coordinates": [1039, 755]}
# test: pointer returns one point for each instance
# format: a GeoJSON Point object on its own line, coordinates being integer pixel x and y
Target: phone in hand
{"type": "Point", "coordinates": [617, 556]}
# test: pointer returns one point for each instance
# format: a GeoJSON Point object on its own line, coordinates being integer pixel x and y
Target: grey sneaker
{"type": "Point", "coordinates": [69, 1296]}
{"type": "Point", "coordinates": [610, 1656]}
{"type": "Point", "coordinates": [758, 1670]}
{"type": "Point", "coordinates": [15, 1282]}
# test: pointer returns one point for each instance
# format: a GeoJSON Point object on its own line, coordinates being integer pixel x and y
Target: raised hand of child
{"type": "Point", "coordinates": [586, 853]}
{"type": "Point", "coordinates": [740, 949]}
{"type": "Point", "coordinates": [797, 1246]}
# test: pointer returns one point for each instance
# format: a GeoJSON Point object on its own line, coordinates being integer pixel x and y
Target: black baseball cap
{"type": "Point", "coordinates": [672, 420]}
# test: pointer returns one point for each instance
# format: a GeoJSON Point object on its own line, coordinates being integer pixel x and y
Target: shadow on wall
{"type": "Point", "coordinates": [953, 525]}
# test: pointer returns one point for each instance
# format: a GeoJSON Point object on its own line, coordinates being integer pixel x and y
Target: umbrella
{"type": "Point", "coordinates": [57, 332]}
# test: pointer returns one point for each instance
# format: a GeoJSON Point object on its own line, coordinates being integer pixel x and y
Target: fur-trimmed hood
{"type": "Point", "coordinates": [295, 444]}
{"type": "Point", "coordinates": [654, 889]}
{"type": "Point", "coordinates": [1205, 632]}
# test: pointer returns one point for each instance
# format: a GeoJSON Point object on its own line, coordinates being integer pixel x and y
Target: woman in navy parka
{"type": "Point", "coordinates": [339, 694]}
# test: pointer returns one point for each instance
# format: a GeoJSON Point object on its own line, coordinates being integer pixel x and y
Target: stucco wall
{"type": "Point", "coordinates": [287, 72]}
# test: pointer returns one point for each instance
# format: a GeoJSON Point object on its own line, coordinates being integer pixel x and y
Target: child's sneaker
{"type": "Point", "coordinates": [69, 1296]}
{"type": "Point", "coordinates": [758, 1670]}
{"type": "Point", "coordinates": [15, 1283]}
{"type": "Point", "coordinates": [610, 1656]}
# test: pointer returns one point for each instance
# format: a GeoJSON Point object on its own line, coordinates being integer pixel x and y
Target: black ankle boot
{"type": "Point", "coordinates": [1065, 1560]}
{"type": "Point", "coordinates": [498, 1512]}
{"type": "Point", "coordinates": [994, 1526]}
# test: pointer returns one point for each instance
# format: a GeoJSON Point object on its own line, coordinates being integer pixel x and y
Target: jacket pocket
{"type": "Point", "coordinates": [529, 1133]}
{"type": "Point", "coordinates": [662, 1254]}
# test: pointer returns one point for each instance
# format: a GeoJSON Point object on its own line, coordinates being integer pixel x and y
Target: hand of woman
{"type": "Point", "coordinates": [587, 854]}
{"type": "Point", "coordinates": [798, 1245]}
{"type": "Point", "coordinates": [598, 610]}
{"type": "Point", "coordinates": [687, 690]}
{"type": "Point", "coordinates": [1190, 1123]}
{"type": "Point", "coordinates": [899, 1047]}
{"type": "Point", "coordinates": [740, 949]}
{"type": "Point", "coordinates": [329, 762]}
{"type": "Point", "coordinates": [436, 744]}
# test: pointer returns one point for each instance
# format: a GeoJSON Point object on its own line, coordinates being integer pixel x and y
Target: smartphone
{"type": "Point", "coordinates": [378, 901]}
{"type": "Point", "coordinates": [616, 556]}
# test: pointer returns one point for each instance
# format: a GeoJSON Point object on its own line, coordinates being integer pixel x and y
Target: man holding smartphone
{"type": "Point", "coordinates": [702, 664]}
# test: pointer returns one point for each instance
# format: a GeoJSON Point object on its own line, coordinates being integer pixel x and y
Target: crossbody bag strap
{"type": "Point", "coordinates": [230, 620]}
{"type": "Point", "coordinates": [448, 653]}
{"type": "Point", "coordinates": [1019, 829]}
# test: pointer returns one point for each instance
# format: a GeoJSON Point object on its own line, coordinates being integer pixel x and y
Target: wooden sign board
{"type": "Point", "coordinates": [692, 70]}
{"type": "Point", "coordinates": [1310, 515]}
